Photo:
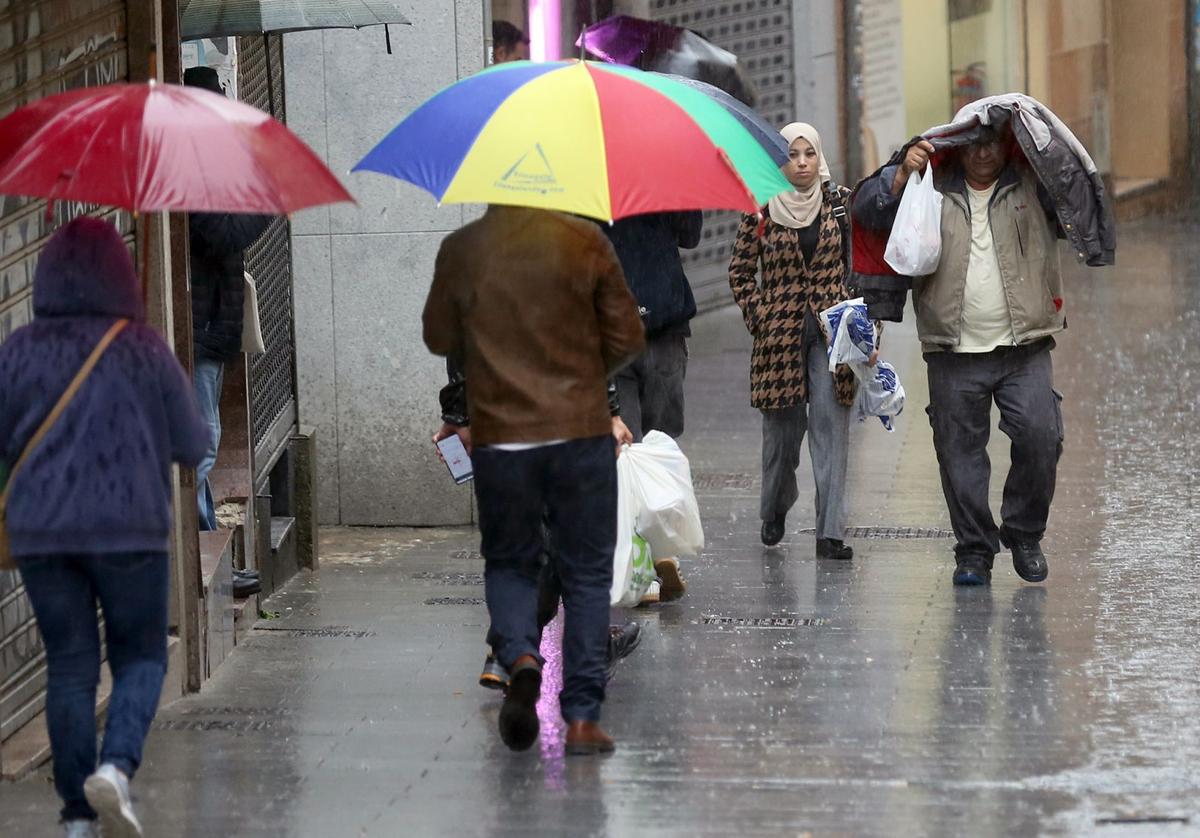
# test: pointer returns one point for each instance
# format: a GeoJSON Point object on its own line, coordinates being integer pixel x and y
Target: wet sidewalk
{"type": "Point", "coordinates": [783, 695]}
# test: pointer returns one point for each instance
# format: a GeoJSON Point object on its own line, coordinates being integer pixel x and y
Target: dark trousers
{"type": "Point", "coordinates": [574, 485]}
{"type": "Point", "coordinates": [132, 591]}
{"type": "Point", "coordinates": [962, 388]}
{"type": "Point", "coordinates": [651, 388]}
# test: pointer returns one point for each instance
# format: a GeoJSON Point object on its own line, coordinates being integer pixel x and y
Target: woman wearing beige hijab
{"type": "Point", "coordinates": [782, 279]}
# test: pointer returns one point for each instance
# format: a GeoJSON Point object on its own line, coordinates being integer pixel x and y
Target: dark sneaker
{"type": "Point", "coordinates": [245, 586]}
{"type": "Point", "coordinates": [622, 640]}
{"type": "Point", "coordinates": [518, 717]}
{"type": "Point", "coordinates": [1029, 561]}
{"type": "Point", "coordinates": [772, 531]}
{"type": "Point", "coordinates": [834, 548]}
{"type": "Point", "coordinates": [973, 570]}
{"type": "Point", "coordinates": [494, 675]}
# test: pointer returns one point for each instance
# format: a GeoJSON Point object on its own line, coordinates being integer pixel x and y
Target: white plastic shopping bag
{"type": "Point", "coordinates": [633, 562]}
{"type": "Point", "coordinates": [880, 393]}
{"type": "Point", "coordinates": [914, 247]}
{"type": "Point", "coordinates": [851, 335]}
{"type": "Point", "coordinates": [668, 515]}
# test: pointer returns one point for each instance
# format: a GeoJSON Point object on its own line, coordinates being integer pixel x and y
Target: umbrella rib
{"type": "Point", "coordinates": [87, 149]}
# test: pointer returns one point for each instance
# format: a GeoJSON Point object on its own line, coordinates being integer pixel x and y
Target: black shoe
{"type": "Point", "coordinates": [973, 570]}
{"type": "Point", "coordinates": [772, 531]}
{"type": "Point", "coordinates": [518, 717]}
{"type": "Point", "coordinates": [245, 586]}
{"type": "Point", "coordinates": [494, 675]}
{"type": "Point", "coordinates": [1029, 561]}
{"type": "Point", "coordinates": [834, 548]}
{"type": "Point", "coordinates": [622, 640]}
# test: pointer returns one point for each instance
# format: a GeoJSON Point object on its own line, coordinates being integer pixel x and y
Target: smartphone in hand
{"type": "Point", "coordinates": [456, 458]}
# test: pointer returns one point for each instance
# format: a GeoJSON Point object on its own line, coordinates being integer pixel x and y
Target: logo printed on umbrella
{"type": "Point", "coordinates": [531, 173]}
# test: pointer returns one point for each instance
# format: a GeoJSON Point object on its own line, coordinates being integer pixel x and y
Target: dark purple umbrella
{"type": "Point", "coordinates": [663, 48]}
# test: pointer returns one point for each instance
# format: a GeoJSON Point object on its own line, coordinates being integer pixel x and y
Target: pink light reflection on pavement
{"type": "Point", "coordinates": [554, 729]}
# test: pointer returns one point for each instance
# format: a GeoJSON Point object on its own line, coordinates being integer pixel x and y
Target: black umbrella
{"type": "Point", "coordinates": [213, 18]}
{"type": "Point", "coordinates": [663, 48]}
{"type": "Point", "coordinates": [221, 18]}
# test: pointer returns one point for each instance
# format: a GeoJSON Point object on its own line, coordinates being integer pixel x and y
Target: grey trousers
{"type": "Point", "coordinates": [651, 388]}
{"type": "Point", "coordinates": [828, 427]}
{"type": "Point", "coordinates": [962, 387]}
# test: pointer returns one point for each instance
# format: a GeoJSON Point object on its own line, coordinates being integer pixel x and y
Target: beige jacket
{"type": "Point", "coordinates": [1026, 249]}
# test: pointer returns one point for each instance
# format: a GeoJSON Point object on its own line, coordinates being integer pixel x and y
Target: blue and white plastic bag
{"type": "Point", "coordinates": [851, 336]}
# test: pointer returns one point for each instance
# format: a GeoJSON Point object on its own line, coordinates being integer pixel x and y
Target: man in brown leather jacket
{"type": "Point", "coordinates": [536, 306]}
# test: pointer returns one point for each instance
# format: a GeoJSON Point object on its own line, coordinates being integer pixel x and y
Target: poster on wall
{"type": "Point", "coordinates": [884, 124]}
{"type": "Point", "coordinates": [218, 53]}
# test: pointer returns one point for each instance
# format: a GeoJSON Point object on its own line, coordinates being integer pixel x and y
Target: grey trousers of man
{"type": "Point", "coordinates": [651, 388]}
{"type": "Point", "coordinates": [962, 388]}
{"type": "Point", "coordinates": [828, 426]}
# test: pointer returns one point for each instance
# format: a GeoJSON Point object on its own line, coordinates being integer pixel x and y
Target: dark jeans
{"type": "Point", "coordinates": [651, 388]}
{"type": "Point", "coordinates": [574, 484]}
{"type": "Point", "coordinates": [132, 591]}
{"type": "Point", "coordinates": [549, 592]}
{"type": "Point", "coordinates": [962, 387]}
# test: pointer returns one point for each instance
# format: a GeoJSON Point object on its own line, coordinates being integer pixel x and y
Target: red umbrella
{"type": "Point", "coordinates": [149, 147]}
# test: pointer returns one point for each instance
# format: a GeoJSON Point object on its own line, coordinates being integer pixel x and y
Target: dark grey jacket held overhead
{"type": "Point", "coordinates": [218, 242]}
{"type": "Point", "coordinates": [1066, 173]}
{"type": "Point", "coordinates": [648, 248]}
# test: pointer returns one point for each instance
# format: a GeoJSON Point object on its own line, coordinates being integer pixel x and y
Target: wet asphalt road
{"type": "Point", "coordinates": [889, 703]}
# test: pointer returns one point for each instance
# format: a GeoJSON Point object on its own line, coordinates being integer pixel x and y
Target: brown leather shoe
{"type": "Point", "coordinates": [587, 738]}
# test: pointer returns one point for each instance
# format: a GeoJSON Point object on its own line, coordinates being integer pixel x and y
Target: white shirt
{"type": "Point", "coordinates": [986, 319]}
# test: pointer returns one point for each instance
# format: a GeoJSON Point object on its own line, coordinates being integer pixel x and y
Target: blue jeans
{"type": "Point", "coordinates": [132, 591]}
{"type": "Point", "coordinates": [575, 485]}
{"type": "Point", "coordinates": [208, 378]}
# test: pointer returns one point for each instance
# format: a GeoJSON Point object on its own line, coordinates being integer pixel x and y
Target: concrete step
{"type": "Point", "coordinates": [216, 572]}
{"type": "Point", "coordinates": [27, 749]}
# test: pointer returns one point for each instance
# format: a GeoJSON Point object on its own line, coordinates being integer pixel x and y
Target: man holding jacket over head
{"type": "Point", "coordinates": [535, 305]}
{"type": "Point", "coordinates": [986, 319]}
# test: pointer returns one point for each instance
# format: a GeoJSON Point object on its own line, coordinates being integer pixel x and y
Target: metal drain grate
{"type": "Point", "coordinates": [456, 600]}
{"type": "Point", "coordinates": [723, 480]}
{"type": "Point", "coordinates": [252, 712]}
{"type": "Point", "coordinates": [762, 622]}
{"type": "Point", "coordinates": [472, 555]}
{"type": "Point", "coordinates": [450, 578]}
{"type": "Point", "coordinates": [890, 532]}
{"type": "Point", "coordinates": [320, 631]}
{"type": "Point", "coordinates": [231, 725]}
{"type": "Point", "coordinates": [1150, 819]}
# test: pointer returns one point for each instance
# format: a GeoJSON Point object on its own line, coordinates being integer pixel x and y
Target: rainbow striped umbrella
{"type": "Point", "coordinates": [600, 140]}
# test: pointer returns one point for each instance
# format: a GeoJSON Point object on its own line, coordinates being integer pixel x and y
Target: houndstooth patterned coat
{"type": "Point", "coordinates": [774, 307]}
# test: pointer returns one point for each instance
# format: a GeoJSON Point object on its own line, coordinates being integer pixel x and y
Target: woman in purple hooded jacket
{"type": "Point", "coordinates": [89, 513]}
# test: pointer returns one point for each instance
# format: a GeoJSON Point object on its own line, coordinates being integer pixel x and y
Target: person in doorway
{"type": "Point", "coordinates": [802, 256]}
{"type": "Point", "coordinates": [986, 318]}
{"type": "Point", "coordinates": [540, 324]}
{"type": "Point", "coordinates": [651, 388]}
{"type": "Point", "coordinates": [623, 639]}
{"type": "Point", "coordinates": [509, 43]}
{"type": "Point", "coordinates": [217, 246]}
{"type": "Point", "coordinates": [88, 506]}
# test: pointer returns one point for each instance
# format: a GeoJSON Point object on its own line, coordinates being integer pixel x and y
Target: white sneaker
{"type": "Point", "coordinates": [108, 793]}
{"type": "Point", "coordinates": [653, 594]}
{"type": "Point", "coordinates": [81, 828]}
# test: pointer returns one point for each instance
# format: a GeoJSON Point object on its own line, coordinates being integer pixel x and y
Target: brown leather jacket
{"type": "Point", "coordinates": [535, 304]}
